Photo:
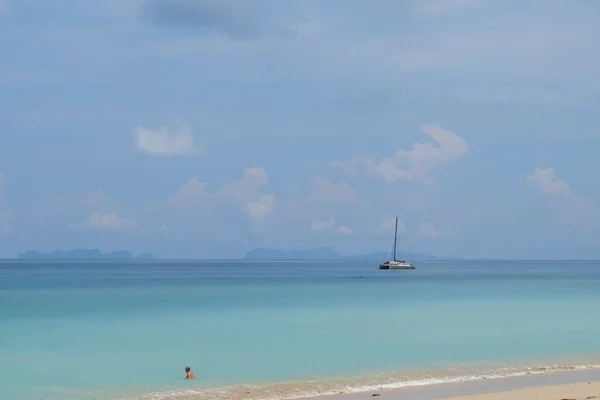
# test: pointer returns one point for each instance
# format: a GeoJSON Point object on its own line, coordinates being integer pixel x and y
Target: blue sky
{"type": "Point", "coordinates": [205, 128]}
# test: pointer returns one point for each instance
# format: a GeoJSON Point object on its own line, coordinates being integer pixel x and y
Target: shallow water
{"type": "Point", "coordinates": [72, 330]}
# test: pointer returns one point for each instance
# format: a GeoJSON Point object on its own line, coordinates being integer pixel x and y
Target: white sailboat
{"type": "Point", "coordinates": [396, 264]}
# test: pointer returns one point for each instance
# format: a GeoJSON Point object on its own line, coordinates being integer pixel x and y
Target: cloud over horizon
{"type": "Point", "coordinates": [546, 179]}
{"type": "Point", "coordinates": [567, 206]}
{"type": "Point", "coordinates": [417, 163]}
{"type": "Point", "coordinates": [323, 190]}
{"type": "Point", "coordinates": [245, 194]}
{"type": "Point", "coordinates": [161, 142]}
{"type": "Point", "coordinates": [474, 122]}
{"type": "Point", "coordinates": [108, 221]}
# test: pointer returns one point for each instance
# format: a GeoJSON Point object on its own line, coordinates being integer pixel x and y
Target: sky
{"type": "Point", "coordinates": [206, 128]}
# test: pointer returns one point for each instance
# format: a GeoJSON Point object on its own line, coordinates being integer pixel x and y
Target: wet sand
{"type": "Point", "coordinates": [573, 391]}
{"type": "Point", "coordinates": [571, 385]}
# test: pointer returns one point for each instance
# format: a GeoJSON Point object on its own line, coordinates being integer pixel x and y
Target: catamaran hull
{"type": "Point", "coordinates": [397, 267]}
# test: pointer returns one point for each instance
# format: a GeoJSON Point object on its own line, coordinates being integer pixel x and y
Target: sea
{"type": "Point", "coordinates": [126, 330]}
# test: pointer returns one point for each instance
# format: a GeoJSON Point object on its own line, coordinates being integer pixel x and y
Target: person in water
{"type": "Point", "coordinates": [189, 374]}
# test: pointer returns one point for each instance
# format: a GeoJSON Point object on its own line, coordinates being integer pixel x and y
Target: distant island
{"type": "Point", "coordinates": [328, 254]}
{"type": "Point", "coordinates": [83, 254]}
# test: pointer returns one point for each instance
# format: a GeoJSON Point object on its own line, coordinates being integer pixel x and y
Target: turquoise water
{"type": "Point", "coordinates": [72, 330]}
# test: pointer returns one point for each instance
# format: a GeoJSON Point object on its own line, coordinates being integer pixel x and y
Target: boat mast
{"type": "Point", "coordinates": [395, 238]}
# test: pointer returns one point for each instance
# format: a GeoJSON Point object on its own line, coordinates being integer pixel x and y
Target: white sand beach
{"type": "Point", "coordinates": [570, 385]}
{"type": "Point", "coordinates": [573, 391]}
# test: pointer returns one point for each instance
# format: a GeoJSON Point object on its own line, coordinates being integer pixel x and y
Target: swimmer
{"type": "Point", "coordinates": [189, 374]}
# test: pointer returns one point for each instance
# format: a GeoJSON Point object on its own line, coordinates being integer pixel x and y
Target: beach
{"type": "Point", "coordinates": [574, 391]}
{"type": "Point", "coordinates": [571, 385]}
{"type": "Point", "coordinates": [288, 330]}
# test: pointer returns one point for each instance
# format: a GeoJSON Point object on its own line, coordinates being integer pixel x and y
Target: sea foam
{"type": "Point", "coordinates": [317, 388]}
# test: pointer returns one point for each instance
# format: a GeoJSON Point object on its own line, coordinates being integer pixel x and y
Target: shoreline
{"type": "Point", "coordinates": [559, 385]}
{"type": "Point", "coordinates": [572, 391]}
{"type": "Point", "coordinates": [416, 386]}
{"type": "Point", "coordinates": [540, 383]}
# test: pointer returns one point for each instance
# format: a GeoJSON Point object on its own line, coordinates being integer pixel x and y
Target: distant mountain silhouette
{"type": "Point", "coordinates": [83, 254]}
{"type": "Point", "coordinates": [328, 254]}
{"type": "Point", "coordinates": [145, 256]}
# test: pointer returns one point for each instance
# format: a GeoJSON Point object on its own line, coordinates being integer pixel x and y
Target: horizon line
{"type": "Point", "coordinates": [290, 259]}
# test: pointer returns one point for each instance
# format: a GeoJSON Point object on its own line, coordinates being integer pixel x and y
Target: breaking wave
{"type": "Point", "coordinates": [308, 389]}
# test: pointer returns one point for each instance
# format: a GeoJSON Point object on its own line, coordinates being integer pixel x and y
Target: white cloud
{"type": "Point", "coordinates": [258, 210]}
{"type": "Point", "coordinates": [161, 142]}
{"type": "Point", "coordinates": [109, 221]}
{"type": "Point", "coordinates": [256, 175]}
{"type": "Point", "coordinates": [344, 230]}
{"type": "Point", "coordinates": [254, 179]}
{"type": "Point", "coordinates": [417, 163]}
{"type": "Point", "coordinates": [545, 178]}
{"type": "Point", "coordinates": [322, 225]}
{"type": "Point", "coordinates": [189, 193]}
{"type": "Point", "coordinates": [245, 193]}
{"type": "Point", "coordinates": [568, 207]}
{"type": "Point", "coordinates": [323, 190]}
{"type": "Point", "coordinates": [428, 230]}
{"type": "Point", "coordinates": [193, 188]}
{"type": "Point", "coordinates": [389, 224]}
{"type": "Point", "coordinates": [245, 189]}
